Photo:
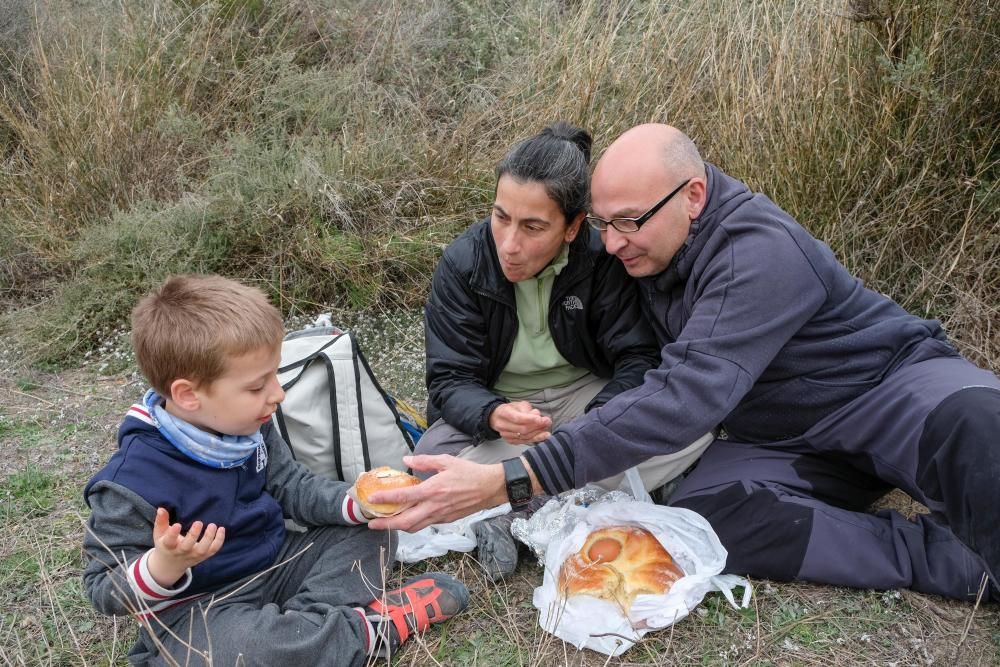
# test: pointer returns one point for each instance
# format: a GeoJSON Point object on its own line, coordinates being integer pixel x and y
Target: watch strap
{"type": "Point", "coordinates": [517, 481]}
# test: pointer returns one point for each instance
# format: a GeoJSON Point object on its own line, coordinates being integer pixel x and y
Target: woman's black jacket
{"type": "Point", "coordinates": [470, 322]}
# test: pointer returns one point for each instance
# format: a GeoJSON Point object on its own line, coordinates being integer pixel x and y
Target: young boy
{"type": "Point", "coordinates": [187, 531]}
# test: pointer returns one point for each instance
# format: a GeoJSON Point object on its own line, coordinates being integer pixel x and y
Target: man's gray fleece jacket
{"type": "Point", "coordinates": [763, 332]}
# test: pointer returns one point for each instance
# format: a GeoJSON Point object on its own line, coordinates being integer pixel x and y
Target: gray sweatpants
{"type": "Point", "coordinates": [796, 509]}
{"type": "Point", "coordinates": [561, 404]}
{"type": "Point", "coordinates": [301, 613]}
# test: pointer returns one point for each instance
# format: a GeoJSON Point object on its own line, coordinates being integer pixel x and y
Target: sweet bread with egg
{"type": "Point", "coordinates": [618, 563]}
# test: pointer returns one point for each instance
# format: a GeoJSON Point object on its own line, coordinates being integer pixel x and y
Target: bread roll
{"type": "Point", "coordinates": [617, 563]}
{"type": "Point", "coordinates": [382, 478]}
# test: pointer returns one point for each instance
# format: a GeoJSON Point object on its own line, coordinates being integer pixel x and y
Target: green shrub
{"type": "Point", "coordinates": [328, 149]}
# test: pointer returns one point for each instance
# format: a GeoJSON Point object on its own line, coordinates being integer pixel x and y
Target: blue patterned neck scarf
{"type": "Point", "coordinates": [225, 451]}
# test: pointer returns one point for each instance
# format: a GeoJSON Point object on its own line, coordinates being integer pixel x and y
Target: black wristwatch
{"type": "Point", "coordinates": [518, 482]}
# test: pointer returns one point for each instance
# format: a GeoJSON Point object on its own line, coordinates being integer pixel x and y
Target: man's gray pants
{"type": "Point", "coordinates": [301, 613]}
{"type": "Point", "coordinates": [796, 509]}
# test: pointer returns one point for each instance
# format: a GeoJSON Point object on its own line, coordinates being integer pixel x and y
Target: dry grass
{"type": "Point", "coordinates": [57, 428]}
{"type": "Point", "coordinates": [327, 150]}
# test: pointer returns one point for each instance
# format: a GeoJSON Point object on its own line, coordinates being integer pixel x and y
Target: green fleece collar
{"type": "Point", "coordinates": [558, 263]}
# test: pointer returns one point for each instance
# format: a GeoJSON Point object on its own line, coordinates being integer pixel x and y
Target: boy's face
{"type": "Point", "coordinates": [244, 397]}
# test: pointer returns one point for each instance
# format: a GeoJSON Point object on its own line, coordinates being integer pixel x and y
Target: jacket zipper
{"type": "Point", "coordinates": [540, 326]}
{"type": "Point", "coordinates": [509, 343]}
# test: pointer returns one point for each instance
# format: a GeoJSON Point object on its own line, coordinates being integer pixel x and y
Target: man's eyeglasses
{"type": "Point", "coordinates": [627, 225]}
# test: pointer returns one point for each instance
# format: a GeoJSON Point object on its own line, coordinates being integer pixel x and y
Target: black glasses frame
{"type": "Point", "coordinates": [633, 224]}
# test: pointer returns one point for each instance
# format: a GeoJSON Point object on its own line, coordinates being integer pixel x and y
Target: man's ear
{"type": "Point", "coordinates": [183, 393]}
{"type": "Point", "coordinates": [695, 197]}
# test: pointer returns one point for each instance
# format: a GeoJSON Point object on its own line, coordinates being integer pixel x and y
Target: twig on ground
{"type": "Point", "coordinates": [77, 393]}
{"type": "Point", "coordinates": [32, 396]}
{"type": "Point", "coordinates": [48, 585]}
{"type": "Point", "coordinates": [972, 615]}
{"type": "Point", "coordinates": [756, 611]}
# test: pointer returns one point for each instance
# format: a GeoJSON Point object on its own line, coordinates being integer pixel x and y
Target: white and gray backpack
{"type": "Point", "coordinates": [336, 417]}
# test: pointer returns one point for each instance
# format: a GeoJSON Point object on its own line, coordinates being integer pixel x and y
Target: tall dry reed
{"type": "Point", "coordinates": [328, 149]}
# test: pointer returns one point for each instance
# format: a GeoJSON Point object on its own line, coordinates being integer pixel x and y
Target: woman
{"type": "Point", "coordinates": [529, 322]}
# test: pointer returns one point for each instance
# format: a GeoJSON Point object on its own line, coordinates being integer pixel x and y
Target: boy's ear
{"type": "Point", "coordinates": [184, 395]}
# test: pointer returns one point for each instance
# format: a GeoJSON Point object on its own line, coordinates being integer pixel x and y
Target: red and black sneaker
{"type": "Point", "coordinates": [421, 600]}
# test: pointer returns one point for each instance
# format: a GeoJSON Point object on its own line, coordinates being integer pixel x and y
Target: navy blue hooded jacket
{"type": "Point", "coordinates": [251, 501]}
{"type": "Point", "coordinates": [235, 498]}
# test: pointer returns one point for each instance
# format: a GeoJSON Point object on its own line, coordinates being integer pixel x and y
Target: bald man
{"type": "Point", "coordinates": [825, 394]}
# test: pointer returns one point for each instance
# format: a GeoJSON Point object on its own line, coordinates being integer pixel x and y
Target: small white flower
{"type": "Point", "coordinates": [789, 645]}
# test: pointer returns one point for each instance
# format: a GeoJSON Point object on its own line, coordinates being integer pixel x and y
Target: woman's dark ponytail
{"type": "Point", "coordinates": [573, 134]}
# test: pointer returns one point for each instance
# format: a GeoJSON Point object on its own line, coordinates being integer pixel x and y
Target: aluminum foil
{"type": "Point", "coordinates": [558, 517]}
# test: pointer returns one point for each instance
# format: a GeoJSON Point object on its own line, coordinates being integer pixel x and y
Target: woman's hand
{"type": "Point", "coordinates": [519, 423]}
{"type": "Point", "coordinates": [458, 489]}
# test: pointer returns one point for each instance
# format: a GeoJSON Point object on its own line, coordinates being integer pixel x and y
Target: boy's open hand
{"type": "Point", "coordinates": [174, 553]}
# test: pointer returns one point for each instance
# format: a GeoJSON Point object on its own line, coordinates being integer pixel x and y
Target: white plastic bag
{"type": "Point", "coordinates": [440, 538]}
{"type": "Point", "coordinates": [588, 622]}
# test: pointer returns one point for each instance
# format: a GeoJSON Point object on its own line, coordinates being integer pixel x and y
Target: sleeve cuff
{"type": "Point", "coordinates": [145, 586]}
{"type": "Point", "coordinates": [352, 512]}
{"type": "Point", "coordinates": [486, 431]}
{"type": "Point", "coordinates": [552, 463]}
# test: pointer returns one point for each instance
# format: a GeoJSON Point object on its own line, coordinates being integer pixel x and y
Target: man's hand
{"type": "Point", "coordinates": [174, 553]}
{"type": "Point", "coordinates": [458, 489]}
{"type": "Point", "coordinates": [519, 423]}
{"type": "Point", "coordinates": [353, 493]}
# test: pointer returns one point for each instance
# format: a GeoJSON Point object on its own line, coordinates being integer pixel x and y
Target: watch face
{"type": "Point", "coordinates": [519, 490]}
{"type": "Point", "coordinates": [517, 481]}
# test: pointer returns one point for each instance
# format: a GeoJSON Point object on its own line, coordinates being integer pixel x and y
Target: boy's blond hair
{"type": "Point", "coordinates": [188, 326]}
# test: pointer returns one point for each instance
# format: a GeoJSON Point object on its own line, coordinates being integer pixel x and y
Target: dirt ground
{"type": "Point", "coordinates": [58, 427]}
